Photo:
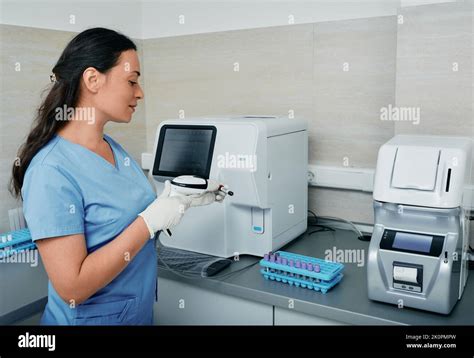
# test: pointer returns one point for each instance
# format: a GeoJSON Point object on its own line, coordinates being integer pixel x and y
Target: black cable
{"type": "Point", "coordinates": [321, 230]}
{"type": "Point", "coordinates": [328, 228]}
{"type": "Point", "coordinates": [361, 236]}
{"type": "Point", "coordinates": [232, 272]}
{"type": "Point", "coordinates": [315, 216]}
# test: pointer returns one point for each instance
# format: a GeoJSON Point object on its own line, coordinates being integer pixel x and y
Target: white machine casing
{"type": "Point", "coordinates": [421, 192]}
{"type": "Point", "coordinates": [264, 162]}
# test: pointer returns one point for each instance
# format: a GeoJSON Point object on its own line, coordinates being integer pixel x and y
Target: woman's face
{"type": "Point", "coordinates": [119, 93]}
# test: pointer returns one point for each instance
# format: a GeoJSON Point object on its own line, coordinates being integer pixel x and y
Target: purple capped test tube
{"type": "Point", "coordinates": [278, 261]}
{"type": "Point", "coordinates": [298, 265]}
{"type": "Point", "coordinates": [266, 257]}
{"type": "Point", "coordinates": [317, 268]}
{"type": "Point", "coordinates": [284, 262]}
{"type": "Point", "coordinates": [272, 260]}
{"type": "Point", "coordinates": [310, 269]}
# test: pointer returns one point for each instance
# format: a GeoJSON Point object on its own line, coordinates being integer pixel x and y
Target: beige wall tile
{"type": "Point", "coordinates": [332, 202]}
{"type": "Point", "coordinates": [196, 74]}
{"type": "Point", "coordinates": [431, 39]}
{"type": "Point", "coordinates": [346, 123]}
{"type": "Point", "coordinates": [36, 50]}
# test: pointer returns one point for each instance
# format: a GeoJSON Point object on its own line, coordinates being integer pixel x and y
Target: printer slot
{"type": "Point", "coordinates": [407, 276]}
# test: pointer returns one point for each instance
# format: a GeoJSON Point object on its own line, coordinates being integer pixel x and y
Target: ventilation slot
{"type": "Point", "coordinates": [448, 181]}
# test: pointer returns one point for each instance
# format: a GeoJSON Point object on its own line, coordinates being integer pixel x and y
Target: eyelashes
{"type": "Point", "coordinates": [132, 83]}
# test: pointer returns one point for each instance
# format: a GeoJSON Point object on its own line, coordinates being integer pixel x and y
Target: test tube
{"type": "Point", "coordinates": [317, 269]}
{"type": "Point", "coordinates": [278, 261]}
{"type": "Point", "coordinates": [266, 257]}
{"type": "Point", "coordinates": [298, 265]}
{"type": "Point", "coordinates": [284, 262]}
{"type": "Point", "coordinates": [303, 267]}
{"type": "Point", "coordinates": [272, 260]}
{"type": "Point", "coordinates": [310, 269]}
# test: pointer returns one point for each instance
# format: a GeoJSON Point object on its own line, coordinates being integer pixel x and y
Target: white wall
{"type": "Point", "coordinates": [145, 19]}
{"type": "Point", "coordinates": [142, 19]}
{"type": "Point", "coordinates": [162, 18]}
{"type": "Point", "coordinates": [74, 16]}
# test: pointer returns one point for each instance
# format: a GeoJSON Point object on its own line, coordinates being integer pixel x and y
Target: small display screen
{"type": "Point", "coordinates": [412, 242]}
{"type": "Point", "coordinates": [185, 150]}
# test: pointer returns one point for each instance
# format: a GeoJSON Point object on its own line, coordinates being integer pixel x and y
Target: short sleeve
{"type": "Point", "coordinates": [52, 204]}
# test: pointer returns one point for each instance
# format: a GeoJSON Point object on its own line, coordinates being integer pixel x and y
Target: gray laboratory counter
{"type": "Point", "coordinates": [346, 303]}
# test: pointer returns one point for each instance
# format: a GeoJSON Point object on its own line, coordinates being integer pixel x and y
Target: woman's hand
{"type": "Point", "coordinates": [207, 198]}
{"type": "Point", "coordinates": [165, 211]}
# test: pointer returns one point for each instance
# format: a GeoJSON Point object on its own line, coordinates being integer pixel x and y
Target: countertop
{"type": "Point", "coordinates": [347, 302]}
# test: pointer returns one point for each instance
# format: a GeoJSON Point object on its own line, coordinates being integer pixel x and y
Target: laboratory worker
{"type": "Point", "coordinates": [90, 209]}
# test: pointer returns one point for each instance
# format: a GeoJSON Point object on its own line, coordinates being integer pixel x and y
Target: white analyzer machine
{"type": "Point", "coordinates": [418, 251]}
{"type": "Point", "coordinates": [262, 160]}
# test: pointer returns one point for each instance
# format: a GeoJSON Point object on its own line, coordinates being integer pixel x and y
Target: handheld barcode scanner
{"type": "Point", "coordinates": [194, 185]}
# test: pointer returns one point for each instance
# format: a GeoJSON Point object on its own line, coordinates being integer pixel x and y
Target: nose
{"type": "Point", "coordinates": [139, 92]}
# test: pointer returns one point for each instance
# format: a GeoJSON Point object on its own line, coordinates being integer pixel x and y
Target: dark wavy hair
{"type": "Point", "coordinates": [99, 48]}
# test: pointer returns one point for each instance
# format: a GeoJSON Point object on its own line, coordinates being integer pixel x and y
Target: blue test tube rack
{"type": "Point", "coordinates": [15, 241]}
{"type": "Point", "coordinates": [301, 271]}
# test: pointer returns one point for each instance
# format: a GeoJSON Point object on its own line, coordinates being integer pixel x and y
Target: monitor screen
{"type": "Point", "coordinates": [412, 242]}
{"type": "Point", "coordinates": [184, 150]}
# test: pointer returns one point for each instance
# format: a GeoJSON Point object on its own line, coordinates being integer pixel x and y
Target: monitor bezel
{"type": "Point", "coordinates": [159, 150]}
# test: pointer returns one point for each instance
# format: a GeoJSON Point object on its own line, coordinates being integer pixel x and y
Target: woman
{"type": "Point", "coordinates": [89, 207]}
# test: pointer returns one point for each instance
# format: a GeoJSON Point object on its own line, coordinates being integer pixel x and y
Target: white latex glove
{"type": "Point", "coordinates": [165, 211]}
{"type": "Point", "coordinates": [207, 198]}
{"type": "Point", "coordinates": [212, 194]}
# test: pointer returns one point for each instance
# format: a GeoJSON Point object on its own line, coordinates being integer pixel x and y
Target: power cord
{"type": "Point", "coordinates": [360, 235]}
{"type": "Point", "coordinates": [323, 227]}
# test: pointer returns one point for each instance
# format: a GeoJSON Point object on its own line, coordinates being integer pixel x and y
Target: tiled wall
{"type": "Point", "coordinates": [434, 68]}
{"type": "Point", "coordinates": [337, 75]}
{"type": "Point", "coordinates": [287, 70]}
{"type": "Point", "coordinates": [36, 52]}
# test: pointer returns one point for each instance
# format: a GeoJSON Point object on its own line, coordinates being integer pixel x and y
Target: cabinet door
{"type": "Point", "coordinates": [183, 304]}
{"type": "Point", "coordinates": [23, 284]}
{"type": "Point", "coordinates": [288, 317]}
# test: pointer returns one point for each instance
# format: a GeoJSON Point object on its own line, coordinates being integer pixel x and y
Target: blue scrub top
{"type": "Point", "coordinates": [69, 189]}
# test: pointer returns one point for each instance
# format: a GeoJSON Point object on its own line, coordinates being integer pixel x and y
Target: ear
{"type": "Point", "coordinates": [92, 79]}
